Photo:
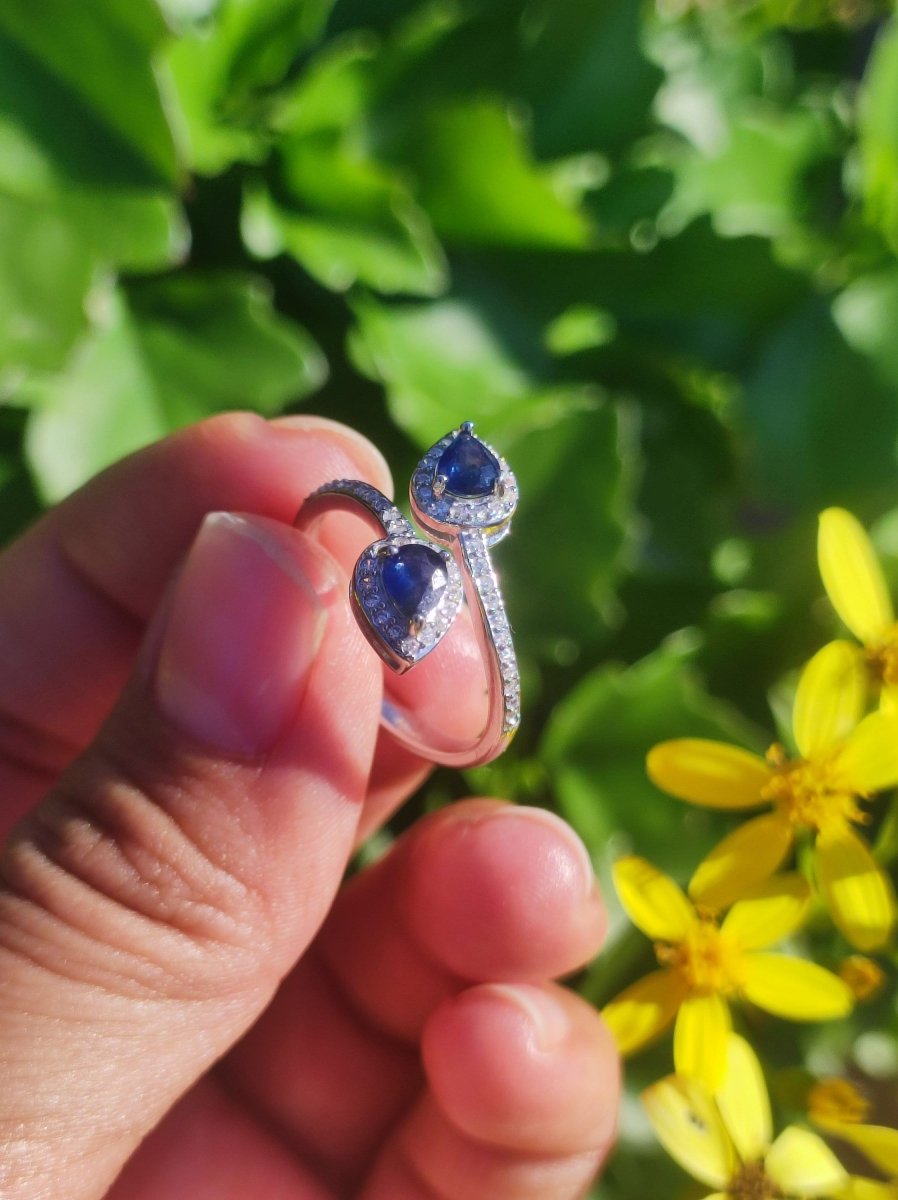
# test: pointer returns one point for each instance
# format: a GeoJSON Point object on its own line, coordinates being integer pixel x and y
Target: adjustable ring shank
{"type": "Point", "coordinates": [469, 548]}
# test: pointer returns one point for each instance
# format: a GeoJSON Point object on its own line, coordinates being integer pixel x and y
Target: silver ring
{"type": "Point", "coordinates": [406, 590]}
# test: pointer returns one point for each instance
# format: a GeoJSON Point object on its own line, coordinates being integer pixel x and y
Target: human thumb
{"type": "Point", "coordinates": [151, 903]}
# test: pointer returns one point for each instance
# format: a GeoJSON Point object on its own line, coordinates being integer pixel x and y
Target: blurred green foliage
{"type": "Point", "coordinates": [650, 249]}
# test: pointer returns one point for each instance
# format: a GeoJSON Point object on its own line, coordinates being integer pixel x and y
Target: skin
{"type": "Point", "coordinates": [190, 1004]}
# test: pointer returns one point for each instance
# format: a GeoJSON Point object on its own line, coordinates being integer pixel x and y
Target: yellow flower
{"type": "Point", "coordinates": [705, 962]}
{"type": "Point", "coordinates": [725, 1140]}
{"type": "Point", "coordinates": [858, 592]}
{"type": "Point", "coordinates": [837, 1107]}
{"type": "Point", "coordinates": [843, 760]}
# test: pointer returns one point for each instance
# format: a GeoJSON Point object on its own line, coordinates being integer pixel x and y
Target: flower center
{"type": "Point", "coordinates": [708, 961]}
{"type": "Point", "coordinates": [882, 657]}
{"type": "Point", "coordinates": [751, 1182]}
{"type": "Point", "coordinates": [807, 791]}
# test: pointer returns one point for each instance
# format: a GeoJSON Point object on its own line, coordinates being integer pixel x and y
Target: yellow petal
{"type": "Point", "coordinates": [653, 902]}
{"type": "Point", "coordinates": [879, 1143]}
{"type": "Point", "coordinates": [712, 774]}
{"type": "Point", "coordinates": [801, 1164]}
{"type": "Point", "coordinates": [794, 988]}
{"type": "Point", "coordinates": [689, 1128]}
{"type": "Point", "coordinates": [700, 1040]}
{"type": "Point", "coordinates": [775, 909]}
{"type": "Point", "coordinates": [741, 862]}
{"type": "Point", "coordinates": [643, 1010]}
{"type": "Point", "coordinates": [745, 858]}
{"type": "Point", "coordinates": [852, 575]}
{"type": "Point", "coordinates": [858, 1188]}
{"type": "Point", "coordinates": [888, 699]}
{"type": "Point", "coordinates": [743, 1101]}
{"type": "Point", "coordinates": [857, 891]}
{"type": "Point", "coordinates": [869, 761]}
{"type": "Point", "coordinates": [831, 696]}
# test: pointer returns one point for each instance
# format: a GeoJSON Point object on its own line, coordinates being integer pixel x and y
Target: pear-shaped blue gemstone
{"type": "Point", "coordinates": [468, 467]}
{"type": "Point", "coordinates": [414, 578]}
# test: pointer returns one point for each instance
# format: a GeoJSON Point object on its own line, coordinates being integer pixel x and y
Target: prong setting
{"type": "Point", "coordinates": [401, 640]}
{"type": "Point", "coordinates": [443, 514]}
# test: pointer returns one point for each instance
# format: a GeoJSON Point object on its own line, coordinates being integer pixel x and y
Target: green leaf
{"type": "Point", "coordinates": [866, 313]}
{"type": "Point", "coordinates": [45, 272]}
{"type": "Point", "coordinates": [334, 90]}
{"type": "Point", "coordinates": [687, 491]}
{"type": "Point", "coordinates": [91, 66]}
{"type": "Point", "coordinates": [212, 139]}
{"type": "Point", "coordinates": [346, 219]}
{"type": "Point", "coordinates": [878, 134]}
{"type": "Point", "coordinates": [370, 14]}
{"type": "Point", "coordinates": [132, 232]}
{"type": "Point", "coordinates": [166, 354]}
{"type": "Point", "coordinates": [630, 197]}
{"type": "Point", "coordinates": [223, 66]}
{"type": "Point", "coordinates": [595, 745]}
{"type": "Point", "coordinates": [477, 182]}
{"type": "Point", "coordinates": [586, 76]}
{"type": "Point", "coordinates": [810, 447]}
{"type": "Point", "coordinates": [264, 37]}
{"type": "Point", "coordinates": [754, 181]}
{"type": "Point", "coordinates": [439, 363]}
{"type": "Point", "coordinates": [124, 222]}
{"type": "Point", "coordinates": [59, 153]}
{"type": "Point", "coordinates": [576, 463]}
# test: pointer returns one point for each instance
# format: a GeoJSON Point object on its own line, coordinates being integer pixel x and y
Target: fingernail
{"type": "Point", "coordinates": [372, 463]}
{"type": "Point", "coordinates": [243, 629]}
{"type": "Point", "coordinates": [544, 1014]}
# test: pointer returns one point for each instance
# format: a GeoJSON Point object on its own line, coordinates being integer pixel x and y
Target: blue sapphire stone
{"type": "Point", "coordinates": [468, 467]}
{"type": "Point", "coordinates": [413, 578]}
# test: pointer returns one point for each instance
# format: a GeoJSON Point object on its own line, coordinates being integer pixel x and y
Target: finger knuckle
{"type": "Point", "coordinates": [110, 859]}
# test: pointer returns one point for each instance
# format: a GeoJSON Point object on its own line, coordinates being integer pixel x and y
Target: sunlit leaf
{"type": "Point", "coordinates": [437, 360]}
{"type": "Point", "coordinates": [878, 134]}
{"type": "Point", "coordinates": [478, 185]}
{"type": "Point", "coordinates": [45, 271]}
{"type": "Point", "coordinates": [162, 356]}
{"type": "Point", "coordinates": [223, 64]}
{"type": "Point", "coordinates": [346, 219]}
{"type": "Point", "coordinates": [82, 61]}
{"type": "Point", "coordinates": [595, 745]}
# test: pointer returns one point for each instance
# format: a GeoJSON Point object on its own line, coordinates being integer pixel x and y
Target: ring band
{"type": "Point", "coordinates": [406, 591]}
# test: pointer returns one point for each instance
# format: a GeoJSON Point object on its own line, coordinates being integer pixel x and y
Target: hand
{"type": "Point", "coordinates": [190, 748]}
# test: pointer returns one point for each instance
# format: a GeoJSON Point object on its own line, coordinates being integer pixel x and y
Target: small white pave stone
{"type": "Point", "coordinates": [498, 629]}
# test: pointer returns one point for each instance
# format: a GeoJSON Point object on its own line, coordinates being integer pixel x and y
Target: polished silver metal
{"type": "Point", "coordinates": [461, 530]}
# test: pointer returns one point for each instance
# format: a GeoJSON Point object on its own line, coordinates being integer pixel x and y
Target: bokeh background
{"type": "Point", "coordinates": [649, 248]}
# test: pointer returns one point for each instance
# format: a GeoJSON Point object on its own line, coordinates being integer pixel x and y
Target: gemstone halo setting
{"type": "Point", "coordinates": [462, 482]}
{"type": "Point", "coordinates": [408, 593]}
{"type": "Point", "coordinates": [407, 589]}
